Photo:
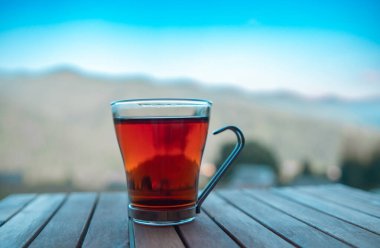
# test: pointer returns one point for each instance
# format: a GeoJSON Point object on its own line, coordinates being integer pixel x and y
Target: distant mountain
{"type": "Point", "coordinates": [363, 111]}
{"type": "Point", "coordinates": [57, 126]}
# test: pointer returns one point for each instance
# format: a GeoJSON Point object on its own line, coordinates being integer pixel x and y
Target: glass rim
{"type": "Point", "coordinates": [189, 101]}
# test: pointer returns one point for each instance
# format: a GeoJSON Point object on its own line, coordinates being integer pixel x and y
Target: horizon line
{"type": "Point", "coordinates": [74, 69]}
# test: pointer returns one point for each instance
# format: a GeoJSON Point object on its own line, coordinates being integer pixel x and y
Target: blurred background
{"type": "Point", "coordinates": [301, 79]}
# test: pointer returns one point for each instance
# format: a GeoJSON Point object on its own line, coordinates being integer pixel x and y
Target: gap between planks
{"type": "Point", "coordinates": [331, 225]}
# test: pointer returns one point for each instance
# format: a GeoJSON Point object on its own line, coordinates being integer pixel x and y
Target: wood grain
{"type": "Point", "coordinates": [294, 230]}
{"type": "Point", "coordinates": [152, 237]}
{"type": "Point", "coordinates": [244, 230]}
{"type": "Point", "coordinates": [311, 216]}
{"type": "Point", "coordinates": [344, 200]}
{"type": "Point", "coordinates": [67, 225]}
{"type": "Point", "coordinates": [10, 205]}
{"type": "Point", "coordinates": [367, 197]}
{"type": "Point", "coordinates": [109, 224]}
{"type": "Point", "coordinates": [342, 230]}
{"type": "Point", "coordinates": [346, 214]}
{"type": "Point", "coordinates": [22, 228]}
{"type": "Point", "coordinates": [203, 232]}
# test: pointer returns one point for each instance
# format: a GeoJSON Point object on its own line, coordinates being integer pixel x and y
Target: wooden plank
{"type": "Point", "coordinates": [360, 193]}
{"type": "Point", "coordinates": [343, 199]}
{"type": "Point", "coordinates": [242, 228]}
{"type": "Point", "coordinates": [370, 198]}
{"type": "Point", "coordinates": [342, 230]}
{"type": "Point", "coordinates": [109, 224]}
{"type": "Point", "coordinates": [66, 226]}
{"type": "Point", "coordinates": [203, 232]}
{"type": "Point", "coordinates": [346, 214]}
{"type": "Point", "coordinates": [294, 230]}
{"type": "Point", "coordinates": [23, 227]}
{"type": "Point", "coordinates": [10, 205]}
{"type": "Point", "coordinates": [149, 236]}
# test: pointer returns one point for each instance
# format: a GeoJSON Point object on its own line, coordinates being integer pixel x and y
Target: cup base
{"type": "Point", "coordinates": [162, 223]}
{"type": "Point", "coordinates": [161, 217]}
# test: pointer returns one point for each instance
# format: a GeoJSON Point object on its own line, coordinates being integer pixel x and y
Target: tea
{"type": "Point", "coordinates": [162, 157]}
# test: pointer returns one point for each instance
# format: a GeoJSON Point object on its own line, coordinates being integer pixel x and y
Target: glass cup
{"type": "Point", "coordinates": [162, 142]}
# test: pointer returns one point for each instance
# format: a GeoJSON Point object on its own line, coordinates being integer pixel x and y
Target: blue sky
{"type": "Point", "coordinates": [311, 47]}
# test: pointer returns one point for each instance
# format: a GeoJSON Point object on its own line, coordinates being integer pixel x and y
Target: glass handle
{"type": "Point", "coordinates": [215, 179]}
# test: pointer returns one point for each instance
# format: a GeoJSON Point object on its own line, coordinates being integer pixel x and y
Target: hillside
{"type": "Point", "coordinates": [365, 111]}
{"type": "Point", "coordinates": [57, 126]}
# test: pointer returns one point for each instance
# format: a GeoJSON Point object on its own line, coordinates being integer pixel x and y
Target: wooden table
{"type": "Point", "coordinates": [323, 216]}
